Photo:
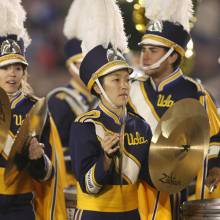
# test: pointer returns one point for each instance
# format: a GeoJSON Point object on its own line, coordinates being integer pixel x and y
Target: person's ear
{"type": "Point", "coordinates": [97, 89]}
{"type": "Point", "coordinates": [172, 58]}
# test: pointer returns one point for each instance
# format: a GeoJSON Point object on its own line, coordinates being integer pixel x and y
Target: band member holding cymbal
{"type": "Point", "coordinates": [109, 144]}
{"type": "Point", "coordinates": [33, 193]}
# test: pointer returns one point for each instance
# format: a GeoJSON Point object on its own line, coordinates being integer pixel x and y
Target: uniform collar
{"type": "Point", "coordinates": [168, 80]}
{"type": "Point", "coordinates": [16, 99]}
{"type": "Point", "coordinates": [110, 114]}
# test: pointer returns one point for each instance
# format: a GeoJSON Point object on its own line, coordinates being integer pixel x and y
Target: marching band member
{"type": "Point", "coordinates": [163, 47]}
{"type": "Point", "coordinates": [32, 195]}
{"type": "Point", "coordinates": [67, 102]}
{"type": "Point", "coordinates": [109, 144]}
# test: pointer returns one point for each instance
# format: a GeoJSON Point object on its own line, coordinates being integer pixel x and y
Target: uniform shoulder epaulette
{"type": "Point", "coordinates": [72, 97]}
{"type": "Point", "coordinates": [197, 83]}
{"type": "Point", "coordinates": [59, 92]}
{"type": "Point", "coordinates": [60, 95]}
{"type": "Point", "coordinates": [93, 114]}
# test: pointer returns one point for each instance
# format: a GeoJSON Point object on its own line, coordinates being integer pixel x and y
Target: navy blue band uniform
{"type": "Point", "coordinates": [18, 200]}
{"type": "Point", "coordinates": [151, 102]}
{"type": "Point", "coordinates": [65, 104]}
{"type": "Point", "coordinates": [99, 194]}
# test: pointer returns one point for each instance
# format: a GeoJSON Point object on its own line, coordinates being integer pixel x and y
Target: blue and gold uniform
{"type": "Point", "coordinates": [65, 104]}
{"type": "Point", "coordinates": [32, 195]}
{"type": "Point", "coordinates": [151, 102]}
{"type": "Point", "coordinates": [99, 193]}
{"type": "Point", "coordinates": [35, 194]}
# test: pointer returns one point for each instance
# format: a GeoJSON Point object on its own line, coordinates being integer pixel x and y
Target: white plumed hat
{"type": "Point", "coordinates": [103, 40]}
{"type": "Point", "coordinates": [169, 23]}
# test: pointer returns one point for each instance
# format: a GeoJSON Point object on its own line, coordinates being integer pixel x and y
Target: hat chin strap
{"type": "Point", "coordinates": [74, 68]}
{"type": "Point", "coordinates": [104, 94]}
{"type": "Point", "coordinates": [158, 63]}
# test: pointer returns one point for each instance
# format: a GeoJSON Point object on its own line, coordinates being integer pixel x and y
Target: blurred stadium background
{"type": "Point", "coordinates": [45, 20]}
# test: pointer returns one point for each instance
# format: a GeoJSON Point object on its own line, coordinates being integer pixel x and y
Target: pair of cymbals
{"type": "Point", "coordinates": [179, 146]}
{"type": "Point", "coordinates": [32, 126]}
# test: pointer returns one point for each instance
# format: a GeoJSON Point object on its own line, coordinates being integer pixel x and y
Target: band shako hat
{"type": "Point", "coordinates": [71, 30]}
{"type": "Point", "coordinates": [169, 24]}
{"type": "Point", "coordinates": [13, 36]}
{"type": "Point", "coordinates": [101, 61]}
{"type": "Point", "coordinates": [103, 41]}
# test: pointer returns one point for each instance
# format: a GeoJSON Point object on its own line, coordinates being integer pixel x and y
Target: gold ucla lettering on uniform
{"type": "Point", "coordinates": [135, 140]}
{"type": "Point", "coordinates": [18, 119]}
{"type": "Point", "coordinates": [165, 102]}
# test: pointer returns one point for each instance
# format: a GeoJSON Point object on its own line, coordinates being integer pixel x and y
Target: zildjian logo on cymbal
{"type": "Point", "coordinates": [171, 180]}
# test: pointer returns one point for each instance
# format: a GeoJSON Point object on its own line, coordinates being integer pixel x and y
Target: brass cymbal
{"type": "Point", "coordinates": [179, 145]}
{"type": "Point", "coordinates": [32, 126]}
{"type": "Point", "coordinates": [5, 118]}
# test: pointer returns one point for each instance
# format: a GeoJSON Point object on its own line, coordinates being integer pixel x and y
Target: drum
{"type": "Point", "coordinates": [70, 200]}
{"type": "Point", "coordinates": [208, 209]}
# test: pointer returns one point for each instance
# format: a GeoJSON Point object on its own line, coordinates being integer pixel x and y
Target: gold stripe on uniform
{"type": "Point", "coordinates": [109, 113]}
{"type": "Point", "coordinates": [18, 99]}
{"type": "Point", "coordinates": [169, 80]}
{"type": "Point", "coordinates": [114, 198]}
{"type": "Point", "coordinates": [148, 101]}
{"type": "Point", "coordinates": [90, 114]}
{"type": "Point", "coordinates": [132, 105]}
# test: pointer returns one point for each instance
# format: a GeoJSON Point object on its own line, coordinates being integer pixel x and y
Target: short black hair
{"type": "Point", "coordinates": [101, 80]}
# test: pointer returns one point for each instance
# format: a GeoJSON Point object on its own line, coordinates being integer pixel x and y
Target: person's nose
{"type": "Point", "coordinates": [125, 84]}
{"type": "Point", "coordinates": [146, 55]}
{"type": "Point", "coordinates": [12, 71]}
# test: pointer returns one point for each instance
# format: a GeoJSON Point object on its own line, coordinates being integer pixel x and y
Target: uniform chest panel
{"type": "Point", "coordinates": [19, 114]}
{"type": "Point", "coordinates": [162, 100]}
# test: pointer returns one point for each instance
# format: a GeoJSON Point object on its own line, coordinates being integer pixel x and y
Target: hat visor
{"type": "Point", "coordinates": [78, 58]}
{"type": "Point", "coordinates": [13, 61]}
{"type": "Point", "coordinates": [152, 42]}
{"type": "Point", "coordinates": [116, 68]}
{"type": "Point", "coordinates": [155, 40]}
{"type": "Point", "coordinates": [107, 69]}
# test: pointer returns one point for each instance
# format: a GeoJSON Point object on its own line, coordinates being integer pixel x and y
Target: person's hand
{"type": "Point", "coordinates": [36, 150]}
{"type": "Point", "coordinates": [213, 177]}
{"type": "Point", "coordinates": [110, 145]}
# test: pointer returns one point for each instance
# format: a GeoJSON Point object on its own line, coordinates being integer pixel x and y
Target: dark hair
{"type": "Point", "coordinates": [101, 80]}
{"type": "Point", "coordinates": [177, 63]}
{"type": "Point", "coordinates": [24, 66]}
